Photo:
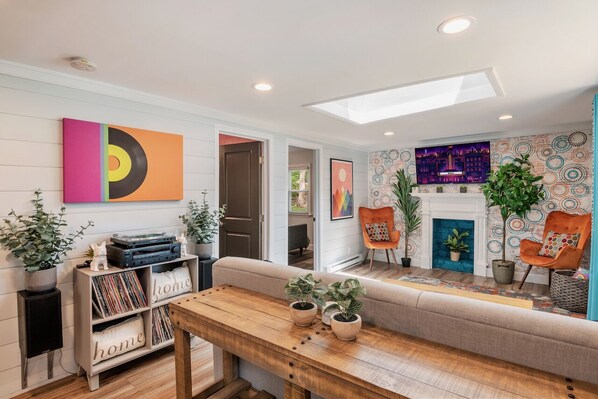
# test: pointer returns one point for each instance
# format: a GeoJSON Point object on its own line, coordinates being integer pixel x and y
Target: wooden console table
{"type": "Point", "coordinates": [378, 364]}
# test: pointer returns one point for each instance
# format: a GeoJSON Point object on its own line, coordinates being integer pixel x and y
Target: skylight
{"type": "Point", "coordinates": [414, 98]}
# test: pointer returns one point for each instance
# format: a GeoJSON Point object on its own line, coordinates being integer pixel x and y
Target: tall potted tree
{"type": "Point", "coordinates": [408, 205]}
{"type": "Point", "coordinates": [39, 242]}
{"type": "Point", "coordinates": [512, 187]}
{"type": "Point", "coordinates": [202, 225]}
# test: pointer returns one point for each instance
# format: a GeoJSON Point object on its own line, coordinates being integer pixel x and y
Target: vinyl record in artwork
{"type": "Point", "coordinates": [106, 163]}
{"type": "Point", "coordinates": [127, 164]}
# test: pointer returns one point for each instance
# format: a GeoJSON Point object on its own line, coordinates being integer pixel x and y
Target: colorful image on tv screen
{"type": "Point", "coordinates": [453, 164]}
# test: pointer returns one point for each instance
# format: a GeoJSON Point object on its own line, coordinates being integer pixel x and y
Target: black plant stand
{"type": "Point", "coordinates": [40, 327]}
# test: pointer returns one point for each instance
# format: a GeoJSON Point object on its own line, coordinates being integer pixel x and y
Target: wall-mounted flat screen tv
{"type": "Point", "coordinates": [457, 163]}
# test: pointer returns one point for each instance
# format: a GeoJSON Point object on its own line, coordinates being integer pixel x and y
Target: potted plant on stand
{"type": "Point", "coordinates": [408, 205]}
{"type": "Point", "coordinates": [512, 187]}
{"type": "Point", "coordinates": [39, 242]}
{"type": "Point", "coordinates": [456, 245]}
{"type": "Point", "coordinates": [346, 323]}
{"type": "Point", "coordinates": [301, 289]}
{"type": "Point", "coordinates": [202, 225]}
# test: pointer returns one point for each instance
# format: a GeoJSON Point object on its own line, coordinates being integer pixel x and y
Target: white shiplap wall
{"type": "Point", "coordinates": [31, 156]}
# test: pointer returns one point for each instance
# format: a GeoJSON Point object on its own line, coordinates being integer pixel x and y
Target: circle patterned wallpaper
{"type": "Point", "coordinates": [564, 160]}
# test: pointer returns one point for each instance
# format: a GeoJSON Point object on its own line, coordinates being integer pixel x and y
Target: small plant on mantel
{"type": "Point", "coordinates": [346, 323]}
{"type": "Point", "coordinates": [302, 289]}
{"type": "Point", "coordinates": [456, 245]}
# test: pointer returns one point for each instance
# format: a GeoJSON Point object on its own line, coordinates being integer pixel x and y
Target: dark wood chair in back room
{"type": "Point", "coordinates": [569, 257]}
{"type": "Point", "coordinates": [378, 229]}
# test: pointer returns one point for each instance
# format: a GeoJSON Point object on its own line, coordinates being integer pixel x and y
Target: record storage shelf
{"type": "Point", "coordinates": [86, 320]}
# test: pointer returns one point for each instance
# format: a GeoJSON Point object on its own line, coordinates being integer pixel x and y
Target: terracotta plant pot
{"type": "Point", "coordinates": [455, 256]}
{"type": "Point", "coordinates": [345, 330]}
{"type": "Point", "coordinates": [303, 317]}
{"type": "Point", "coordinates": [503, 271]}
{"type": "Point", "coordinates": [41, 280]}
{"type": "Point", "coordinates": [203, 251]}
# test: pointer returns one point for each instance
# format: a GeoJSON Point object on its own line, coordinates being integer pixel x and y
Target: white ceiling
{"type": "Point", "coordinates": [209, 53]}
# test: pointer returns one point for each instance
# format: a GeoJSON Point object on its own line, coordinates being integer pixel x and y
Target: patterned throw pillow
{"type": "Point", "coordinates": [377, 231]}
{"type": "Point", "coordinates": [554, 242]}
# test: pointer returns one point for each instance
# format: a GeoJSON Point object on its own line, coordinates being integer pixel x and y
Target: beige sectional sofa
{"type": "Point", "coordinates": [562, 345]}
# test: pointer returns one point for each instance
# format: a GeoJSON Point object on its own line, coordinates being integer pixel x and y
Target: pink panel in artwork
{"type": "Point", "coordinates": [83, 142]}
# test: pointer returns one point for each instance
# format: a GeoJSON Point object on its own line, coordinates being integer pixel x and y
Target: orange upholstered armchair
{"type": "Point", "coordinates": [568, 257]}
{"type": "Point", "coordinates": [377, 216]}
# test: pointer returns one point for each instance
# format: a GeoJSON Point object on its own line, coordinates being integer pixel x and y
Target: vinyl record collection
{"type": "Point", "coordinates": [162, 329]}
{"type": "Point", "coordinates": [117, 293]}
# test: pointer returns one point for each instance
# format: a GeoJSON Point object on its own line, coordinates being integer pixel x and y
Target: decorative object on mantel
{"type": "Point", "coordinates": [463, 189]}
{"type": "Point", "coordinates": [39, 242]}
{"type": "Point", "coordinates": [512, 188]}
{"type": "Point", "coordinates": [202, 225]}
{"type": "Point", "coordinates": [99, 257]}
{"type": "Point", "coordinates": [408, 205]}
{"type": "Point", "coordinates": [346, 323]}
{"type": "Point", "coordinates": [439, 189]}
{"type": "Point", "coordinates": [415, 189]}
{"type": "Point", "coordinates": [301, 289]}
{"type": "Point", "coordinates": [456, 245]}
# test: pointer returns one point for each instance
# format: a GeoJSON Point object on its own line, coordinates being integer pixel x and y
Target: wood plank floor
{"type": "Point", "coordinates": [150, 377]}
{"type": "Point", "coordinates": [382, 270]}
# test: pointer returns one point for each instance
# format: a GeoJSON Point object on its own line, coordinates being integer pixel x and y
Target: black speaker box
{"type": "Point", "coordinates": [40, 322]}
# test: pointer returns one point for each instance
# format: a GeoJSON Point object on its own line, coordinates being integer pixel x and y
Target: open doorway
{"type": "Point", "coordinates": [240, 188]}
{"type": "Point", "coordinates": [301, 207]}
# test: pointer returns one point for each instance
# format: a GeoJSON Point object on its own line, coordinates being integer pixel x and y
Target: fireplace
{"type": "Point", "coordinates": [463, 207]}
{"type": "Point", "coordinates": [441, 229]}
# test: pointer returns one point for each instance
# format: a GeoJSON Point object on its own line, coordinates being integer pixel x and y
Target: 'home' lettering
{"type": "Point", "coordinates": [120, 348]}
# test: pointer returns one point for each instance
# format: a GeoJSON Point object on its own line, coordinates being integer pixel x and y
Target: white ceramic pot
{"type": "Point", "coordinates": [303, 317]}
{"type": "Point", "coordinates": [345, 330]}
{"type": "Point", "coordinates": [41, 280]}
{"type": "Point", "coordinates": [455, 256]}
{"type": "Point", "coordinates": [203, 251]}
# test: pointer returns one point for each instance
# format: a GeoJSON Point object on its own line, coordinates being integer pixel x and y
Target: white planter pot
{"type": "Point", "coordinates": [203, 251]}
{"type": "Point", "coordinates": [41, 280]}
{"type": "Point", "coordinates": [455, 256]}
{"type": "Point", "coordinates": [303, 318]}
{"type": "Point", "coordinates": [345, 330]}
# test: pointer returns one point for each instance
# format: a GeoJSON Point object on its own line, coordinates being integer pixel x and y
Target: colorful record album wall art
{"type": "Point", "coordinates": [107, 163]}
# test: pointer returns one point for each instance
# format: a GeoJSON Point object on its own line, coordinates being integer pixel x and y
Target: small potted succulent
{"type": "Point", "coordinates": [456, 245]}
{"type": "Point", "coordinates": [300, 290]}
{"type": "Point", "coordinates": [39, 242]}
{"type": "Point", "coordinates": [463, 189]}
{"type": "Point", "coordinates": [345, 323]}
{"type": "Point", "coordinates": [202, 225]}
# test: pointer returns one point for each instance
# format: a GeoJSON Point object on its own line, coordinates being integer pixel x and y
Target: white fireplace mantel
{"type": "Point", "coordinates": [459, 206]}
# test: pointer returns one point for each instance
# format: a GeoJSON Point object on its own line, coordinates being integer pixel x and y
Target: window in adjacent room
{"type": "Point", "coordinates": [299, 193]}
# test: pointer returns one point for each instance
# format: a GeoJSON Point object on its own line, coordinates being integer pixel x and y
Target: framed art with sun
{"type": "Point", "coordinates": [341, 189]}
{"type": "Point", "coordinates": [108, 163]}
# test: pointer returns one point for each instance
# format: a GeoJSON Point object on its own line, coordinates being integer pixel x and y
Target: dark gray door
{"type": "Point", "coordinates": [240, 189]}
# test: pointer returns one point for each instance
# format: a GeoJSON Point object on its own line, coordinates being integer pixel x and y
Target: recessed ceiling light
{"type": "Point", "coordinates": [262, 86]}
{"type": "Point", "coordinates": [505, 117]}
{"type": "Point", "coordinates": [389, 133]}
{"type": "Point", "coordinates": [456, 25]}
{"type": "Point", "coordinates": [83, 64]}
{"type": "Point", "coordinates": [412, 98]}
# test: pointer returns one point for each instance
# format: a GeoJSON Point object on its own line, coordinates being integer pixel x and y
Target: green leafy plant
{"type": "Point", "coordinates": [304, 288]}
{"type": "Point", "coordinates": [345, 294]}
{"type": "Point", "coordinates": [512, 187]}
{"type": "Point", "coordinates": [407, 204]}
{"type": "Point", "coordinates": [202, 223]}
{"type": "Point", "coordinates": [38, 239]}
{"type": "Point", "coordinates": [455, 242]}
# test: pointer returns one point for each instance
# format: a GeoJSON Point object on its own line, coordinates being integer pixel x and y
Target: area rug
{"type": "Point", "coordinates": [540, 303]}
